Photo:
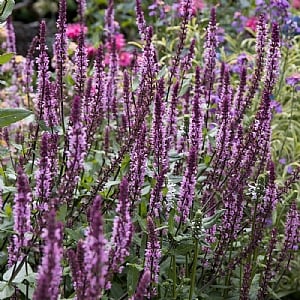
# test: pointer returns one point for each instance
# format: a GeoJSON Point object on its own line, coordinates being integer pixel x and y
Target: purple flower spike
{"type": "Point", "coordinates": [292, 230]}
{"type": "Point", "coordinates": [140, 19]}
{"type": "Point", "coordinates": [158, 130]}
{"type": "Point", "coordinates": [50, 111]}
{"type": "Point", "coordinates": [122, 230]}
{"type": "Point", "coordinates": [81, 10]}
{"type": "Point", "coordinates": [272, 61]}
{"type": "Point", "coordinates": [138, 159]}
{"type": "Point", "coordinates": [195, 133]}
{"type": "Point", "coordinates": [43, 175]}
{"type": "Point", "coordinates": [43, 71]}
{"type": "Point", "coordinates": [142, 287]}
{"type": "Point", "coordinates": [260, 47]}
{"type": "Point", "coordinates": [76, 152]}
{"type": "Point", "coordinates": [50, 271]}
{"type": "Point", "coordinates": [172, 127]}
{"type": "Point", "coordinates": [95, 256]}
{"type": "Point", "coordinates": [11, 46]}
{"type": "Point", "coordinates": [78, 269]}
{"type": "Point", "coordinates": [22, 213]}
{"type": "Point", "coordinates": [60, 51]}
{"type": "Point", "coordinates": [81, 63]}
{"type": "Point", "coordinates": [210, 46]}
{"type": "Point", "coordinates": [77, 139]}
{"type": "Point", "coordinates": [152, 255]}
{"type": "Point", "coordinates": [268, 273]}
{"type": "Point", "coordinates": [187, 188]}
{"type": "Point", "coordinates": [28, 68]}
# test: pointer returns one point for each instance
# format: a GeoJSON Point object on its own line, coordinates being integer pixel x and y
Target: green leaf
{"type": "Point", "coordinates": [171, 222]}
{"type": "Point", "coordinates": [7, 226]}
{"type": "Point", "coordinates": [211, 221]}
{"type": "Point", "coordinates": [75, 234]}
{"type": "Point", "coordinates": [111, 183]}
{"type": "Point", "coordinates": [21, 275]}
{"type": "Point", "coordinates": [62, 213]}
{"type": "Point", "coordinates": [23, 288]}
{"type": "Point", "coordinates": [6, 8]}
{"type": "Point", "coordinates": [116, 290]}
{"type": "Point", "coordinates": [6, 290]}
{"type": "Point", "coordinates": [146, 190]}
{"type": "Point", "coordinates": [133, 277]}
{"type": "Point", "coordinates": [6, 57]}
{"type": "Point", "coordinates": [31, 278]}
{"type": "Point", "coordinates": [12, 115]}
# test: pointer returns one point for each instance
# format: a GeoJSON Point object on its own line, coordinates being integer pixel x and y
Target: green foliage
{"type": "Point", "coordinates": [6, 8]}
{"type": "Point", "coordinates": [6, 57]}
{"type": "Point", "coordinates": [12, 115]}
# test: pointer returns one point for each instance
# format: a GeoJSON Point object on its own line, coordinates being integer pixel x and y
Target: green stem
{"type": "Point", "coordinates": [174, 277]}
{"type": "Point", "coordinates": [228, 275]}
{"type": "Point", "coordinates": [194, 268]}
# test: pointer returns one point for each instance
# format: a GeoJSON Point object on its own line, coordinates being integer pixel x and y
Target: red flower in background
{"type": "Point", "coordinates": [251, 23]}
{"type": "Point", "coordinates": [73, 31]}
{"type": "Point", "coordinates": [125, 59]}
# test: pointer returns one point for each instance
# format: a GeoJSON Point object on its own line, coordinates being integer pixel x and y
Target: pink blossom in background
{"type": "Point", "coordinates": [73, 31]}
{"type": "Point", "coordinates": [167, 8]}
{"type": "Point", "coordinates": [251, 23]}
{"type": "Point", "coordinates": [125, 59]}
{"type": "Point", "coordinates": [91, 51]}
{"type": "Point", "coordinates": [296, 4]}
{"type": "Point", "coordinates": [106, 59]}
{"type": "Point", "coordinates": [198, 5]}
{"type": "Point", "coordinates": [120, 42]}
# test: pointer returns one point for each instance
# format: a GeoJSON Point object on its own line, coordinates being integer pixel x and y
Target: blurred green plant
{"type": "Point", "coordinates": [6, 8]}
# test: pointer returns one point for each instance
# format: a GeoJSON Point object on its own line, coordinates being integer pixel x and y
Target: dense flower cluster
{"type": "Point", "coordinates": [50, 270]}
{"type": "Point", "coordinates": [22, 214]}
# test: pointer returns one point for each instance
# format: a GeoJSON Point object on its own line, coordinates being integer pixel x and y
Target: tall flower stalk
{"type": "Point", "coordinates": [50, 270]}
{"type": "Point", "coordinates": [22, 215]}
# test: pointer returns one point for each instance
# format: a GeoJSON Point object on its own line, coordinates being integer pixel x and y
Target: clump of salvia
{"type": "Point", "coordinates": [145, 178]}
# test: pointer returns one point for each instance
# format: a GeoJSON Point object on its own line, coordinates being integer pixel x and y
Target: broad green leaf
{"type": "Point", "coordinates": [111, 183]}
{"type": "Point", "coordinates": [6, 8]}
{"type": "Point", "coordinates": [75, 234]}
{"type": "Point", "coordinates": [21, 275]}
{"type": "Point", "coordinates": [133, 277]}
{"type": "Point", "coordinates": [31, 278]}
{"type": "Point", "coordinates": [146, 190]}
{"type": "Point", "coordinates": [116, 290]}
{"type": "Point", "coordinates": [12, 115]}
{"type": "Point", "coordinates": [6, 57]}
{"type": "Point", "coordinates": [62, 213]}
{"type": "Point", "coordinates": [210, 221]}
{"type": "Point", "coordinates": [23, 288]}
{"type": "Point", "coordinates": [6, 226]}
{"type": "Point", "coordinates": [6, 290]}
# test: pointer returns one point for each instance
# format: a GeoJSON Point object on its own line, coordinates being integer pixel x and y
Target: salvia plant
{"type": "Point", "coordinates": [154, 180]}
